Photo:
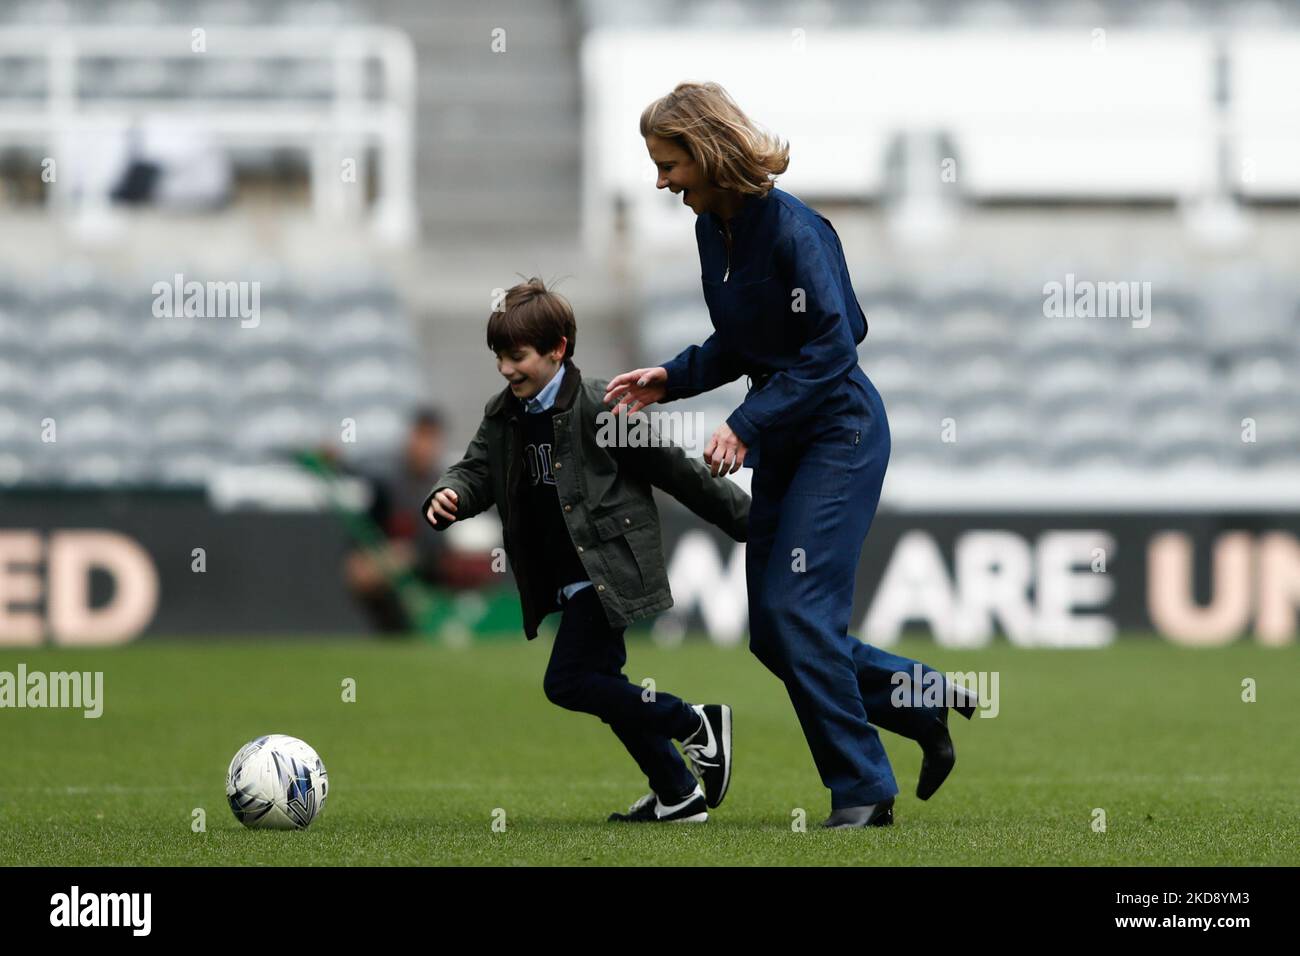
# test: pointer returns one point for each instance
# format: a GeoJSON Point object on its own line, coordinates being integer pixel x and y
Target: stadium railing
{"type": "Point", "coordinates": [341, 120]}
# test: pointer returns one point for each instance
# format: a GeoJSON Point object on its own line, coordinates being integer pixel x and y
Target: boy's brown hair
{"type": "Point", "coordinates": [532, 314]}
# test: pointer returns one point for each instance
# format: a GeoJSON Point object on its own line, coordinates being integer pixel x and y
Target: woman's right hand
{"type": "Point", "coordinates": [637, 389]}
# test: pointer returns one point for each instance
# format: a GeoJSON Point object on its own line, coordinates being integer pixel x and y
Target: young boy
{"type": "Point", "coordinates": [582, 536]}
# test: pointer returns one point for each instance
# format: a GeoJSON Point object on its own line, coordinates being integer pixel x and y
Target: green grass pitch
{"type": "Point", "coordinates": [440, 738]}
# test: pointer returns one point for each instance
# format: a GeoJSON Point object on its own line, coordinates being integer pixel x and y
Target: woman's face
{"type": "Point", "coordinates": [680, 174]}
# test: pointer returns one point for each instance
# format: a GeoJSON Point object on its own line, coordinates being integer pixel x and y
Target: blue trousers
{"type": "Point", "coordinates": [585, 673]}
{"type": "Point", "coordinates": [815, 493]}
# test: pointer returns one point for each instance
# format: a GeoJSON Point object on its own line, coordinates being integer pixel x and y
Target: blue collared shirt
{"type": "Point", "coordinates": [543, 400]}
{"type": "Point", "coordinates": [782, 304]}
{"type": "Point", "coordinates": [537, 405]}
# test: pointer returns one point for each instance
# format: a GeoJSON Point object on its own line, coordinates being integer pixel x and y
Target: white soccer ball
{"type": "Point", "coordinates": [276, 782]}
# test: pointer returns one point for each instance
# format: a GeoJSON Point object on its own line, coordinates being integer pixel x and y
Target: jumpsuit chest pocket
{"type": "Point", "coordinates": [756, 316]}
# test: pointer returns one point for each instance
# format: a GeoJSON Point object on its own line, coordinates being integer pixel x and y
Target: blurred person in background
{"type": "Point", "coordinates": [398, 497]}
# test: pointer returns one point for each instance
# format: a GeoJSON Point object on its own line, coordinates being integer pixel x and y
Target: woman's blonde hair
{"type": "Point", "coordinates": [732, 151]}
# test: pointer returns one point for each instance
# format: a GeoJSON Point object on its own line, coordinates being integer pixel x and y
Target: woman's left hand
{"type": "Point", "coordinates": [725, 452]}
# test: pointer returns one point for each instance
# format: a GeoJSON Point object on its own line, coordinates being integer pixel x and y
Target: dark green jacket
{"type": "Point", "coordinates": [605, 492]}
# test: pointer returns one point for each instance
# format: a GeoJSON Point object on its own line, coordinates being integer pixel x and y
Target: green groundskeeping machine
{"type": "Point", "coordinates": [436, 614]}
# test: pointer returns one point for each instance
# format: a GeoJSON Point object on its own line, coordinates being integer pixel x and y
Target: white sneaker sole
{"type": "Point", "coordinates": [701, 817]}
{"type": "Point", "coordinates": [725, 746]}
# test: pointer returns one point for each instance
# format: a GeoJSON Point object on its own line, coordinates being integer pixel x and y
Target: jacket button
{"type": "Point", "coordinates": [568, 507]}
{"type": "Point", "coordinates": [627, 520]}
{"type": "Point", "coordinates": [600, 587]}
{"type": "Point", "coordinates": [559, 465]}
{"type": "Point", "coordinates": [580, 549]}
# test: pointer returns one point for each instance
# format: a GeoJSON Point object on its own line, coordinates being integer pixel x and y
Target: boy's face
{"type": "Point", "coordinates": [528, 370]}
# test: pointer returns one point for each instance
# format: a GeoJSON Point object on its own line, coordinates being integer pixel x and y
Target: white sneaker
{"type": "Point", "coordinates": [650, 809]}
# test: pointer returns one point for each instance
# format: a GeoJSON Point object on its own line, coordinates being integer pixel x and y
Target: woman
{"type": "Point", "coordinates": [813, 429]}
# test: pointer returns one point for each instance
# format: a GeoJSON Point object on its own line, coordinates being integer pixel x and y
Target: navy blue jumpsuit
{"type": "Point", "coordinates": [784, 313]}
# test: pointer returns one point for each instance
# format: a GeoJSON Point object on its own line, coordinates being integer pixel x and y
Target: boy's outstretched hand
{"type": "Point", "coordinates": [637, 389]}
{"type": "Point", "coordinates": [443, 506]}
